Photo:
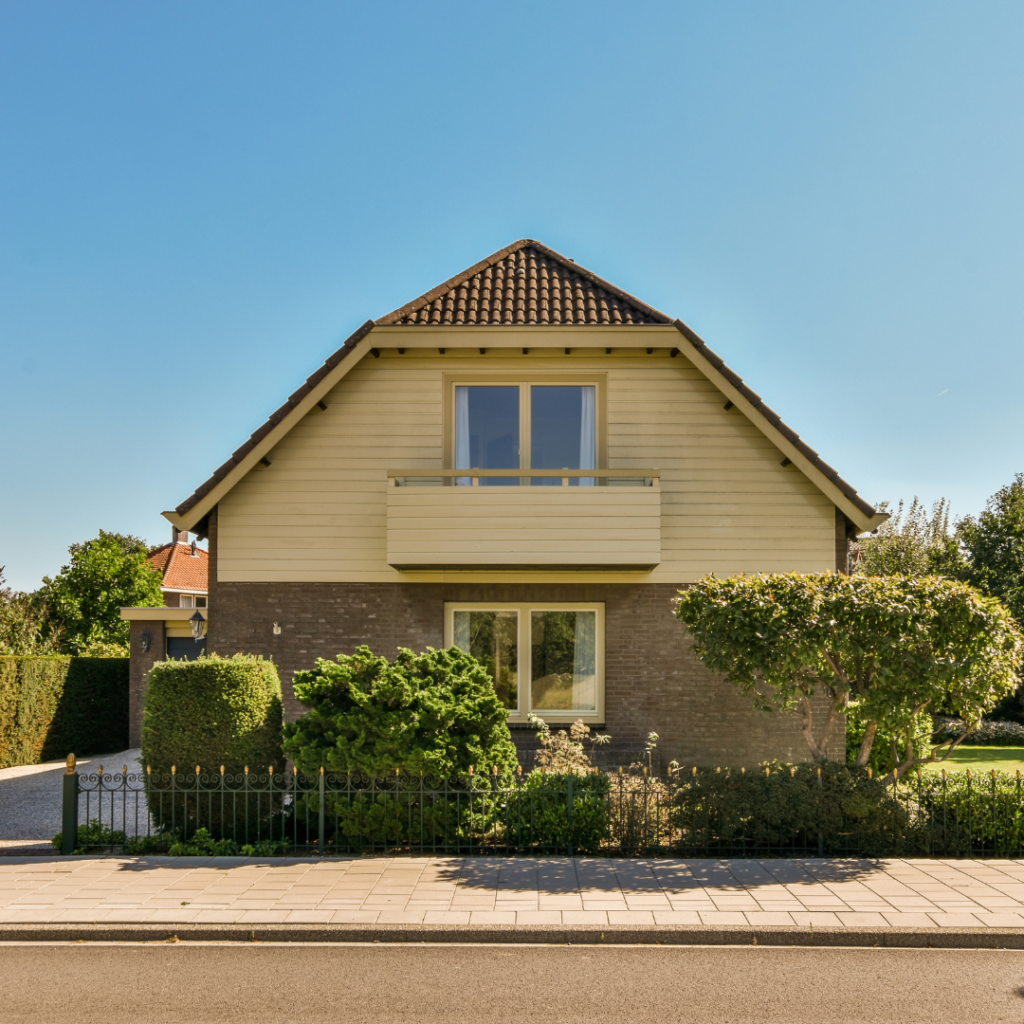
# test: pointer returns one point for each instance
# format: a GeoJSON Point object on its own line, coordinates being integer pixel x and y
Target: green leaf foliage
{"type": "Point", "coordinates": [211, 712]}
{"type": "Point", "coordinates": [22, 624]}
{"type": "Point", "coordinates": [83, 602]}
{"type": "Point", "coordinates": [994, 547]}
{"type": "Point", "coordinates": [435, 713]}
{"type": "Point", "coordinates": [54, 706]}
{"type": "Point", "coordinates": [207, 713]}
{"type": "Point", "coordinates": [897, 645]}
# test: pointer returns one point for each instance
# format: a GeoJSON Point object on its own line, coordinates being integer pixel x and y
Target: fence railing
{"type": "Point", "coordinates": [768, 812]}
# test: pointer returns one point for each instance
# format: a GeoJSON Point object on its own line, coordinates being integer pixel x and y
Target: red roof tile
{"type": "Point", "coordinates": [181, 570]}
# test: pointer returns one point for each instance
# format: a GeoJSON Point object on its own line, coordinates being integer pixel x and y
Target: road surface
{"type": "Point", "coordinates": [189, 983]}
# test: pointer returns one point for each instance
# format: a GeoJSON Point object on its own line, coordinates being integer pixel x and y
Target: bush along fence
{"type": "Point", "coordinates": [802, 810]}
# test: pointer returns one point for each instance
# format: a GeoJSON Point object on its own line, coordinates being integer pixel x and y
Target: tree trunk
{"type": "Point", "coordinates": [866, 744]}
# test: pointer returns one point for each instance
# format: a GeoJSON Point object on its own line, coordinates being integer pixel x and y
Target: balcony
{"type": "Point", "coordinates": [434, 523]}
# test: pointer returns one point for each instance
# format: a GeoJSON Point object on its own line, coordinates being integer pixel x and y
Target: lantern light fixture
{"type": "Point", "coordinates": [198, 624]}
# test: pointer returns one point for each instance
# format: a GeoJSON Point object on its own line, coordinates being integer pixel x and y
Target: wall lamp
{"type": "Point", "coordinates": [144, 642]}
{"type": "Point", "coordinates": [198, 624]}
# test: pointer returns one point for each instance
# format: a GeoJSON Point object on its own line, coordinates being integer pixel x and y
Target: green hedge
{"type": "Point", "coordinates": [54, 706]}
{"type": "Point", "coordinates": [212, 712]}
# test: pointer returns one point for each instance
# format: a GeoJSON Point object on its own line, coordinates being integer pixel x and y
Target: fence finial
{"type": "Point", "coordinates": [222, 769]}
{"type": "Point", "coordinates": [174, 769]}
{"type": "Point", "coordinates": [71, 765]}
{"type": "Point", "coordinates": [197, 769]}
{"type": "Point", "coordinates": [694, 771]}
{"type": "Point", "coordinates": [99, 770]}
{"type": "Point", "coordinates": [295, 769]}
{"type": "Point", "coordinates": [271, 769]}
{"type": "Point", "coordinates": [519, 770]}
{"type": "Point", "coordinates": [470, 769]}
{"type": "Point", "coordinates": [494, 769]}
{"type": "Point", "coordinates": [397, 770]}
{"type": "Point", "coordinates": [124, 769]}
{"type": "Point", "coordinates": [321, 769]}
{"type": "Point", "coordinates": [246, 769]}
{"type": "Point", "coordinates": [767, 771]}
{"type": "Point", "coordinates": [620, 769]}
{"type": "Point", "coordinates": [870, 773]}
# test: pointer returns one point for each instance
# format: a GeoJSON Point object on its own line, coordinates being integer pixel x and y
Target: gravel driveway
{"type": "Point", "coordinates": [30, 798]}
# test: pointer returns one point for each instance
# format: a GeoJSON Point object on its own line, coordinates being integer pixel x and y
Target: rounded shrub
{"type": "Point", "coordinates": [207, 713]}
{"type": "Point", "coordinates": [211, 712]}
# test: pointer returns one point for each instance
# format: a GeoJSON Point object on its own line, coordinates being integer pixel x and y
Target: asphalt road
{"type": "Point", "coordinates": [225, 984]}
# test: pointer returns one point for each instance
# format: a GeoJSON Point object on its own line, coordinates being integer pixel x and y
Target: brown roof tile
{"type": "Point", "coordinates": [525, 284]}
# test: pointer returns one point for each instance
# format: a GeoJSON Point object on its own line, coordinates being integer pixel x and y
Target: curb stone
{"type": "Point", "coordinates": [594, 935]}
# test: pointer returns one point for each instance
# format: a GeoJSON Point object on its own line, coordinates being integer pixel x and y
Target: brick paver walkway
{"type": "Point", "coordinates": [462, 891]}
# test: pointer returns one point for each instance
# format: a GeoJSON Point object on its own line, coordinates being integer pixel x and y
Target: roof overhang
{"type": "Point", "coordinates": [161, 614]}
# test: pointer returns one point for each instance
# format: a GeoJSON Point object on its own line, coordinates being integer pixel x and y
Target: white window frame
{"type": "Point", "coordinates": [522, 713]}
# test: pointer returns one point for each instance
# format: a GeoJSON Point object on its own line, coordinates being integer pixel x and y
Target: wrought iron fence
{"type": "Point", "coordinates": [768, 812]}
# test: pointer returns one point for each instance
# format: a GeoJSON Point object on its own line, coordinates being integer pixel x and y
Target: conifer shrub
{"type": "Point", "coordinates": [422, 722]}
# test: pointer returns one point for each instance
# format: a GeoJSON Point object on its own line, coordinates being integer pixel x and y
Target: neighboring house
{"type": "Point", "coordinates": [527, 462]}
{"type": "Point", "coordinates": [167, 632]}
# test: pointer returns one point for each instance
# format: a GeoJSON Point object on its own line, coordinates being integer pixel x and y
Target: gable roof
{"type": "Point", "coordinates": [526, 284]}
{"type": "Point", "coordinates": [181, 570]}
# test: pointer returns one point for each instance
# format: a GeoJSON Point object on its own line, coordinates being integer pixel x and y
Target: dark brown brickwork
{"type": "Point", "coordinates": [652, 680]}
{"type": "Point", "coordinates": [138, 668]}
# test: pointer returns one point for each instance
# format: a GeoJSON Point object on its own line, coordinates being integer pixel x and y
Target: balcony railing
{"type": "Point", "coordinates": [612, 477]}
{"type": "Point", "coordinates": [452, 519]}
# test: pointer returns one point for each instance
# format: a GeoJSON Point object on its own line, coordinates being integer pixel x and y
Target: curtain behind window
{"type": "Point", "coordinates": [462, 435]}
{"type": "Point", "coordinates": [588, 435]}
{"type": "Point", "coordinates": [584, 669]}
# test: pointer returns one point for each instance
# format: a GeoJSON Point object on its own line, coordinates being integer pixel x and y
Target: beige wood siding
{"type": "Point", "coordinates": [319, 512]}
{"type": "Point", "coordinates": [488, 527]}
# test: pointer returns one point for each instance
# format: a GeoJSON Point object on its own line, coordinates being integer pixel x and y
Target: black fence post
{"type": "Point", "coordinates": [571, 776]}
{"type": "Point", "coordinates": [323, 811]}
{"type": "Point", "coordinates": [69, 840]}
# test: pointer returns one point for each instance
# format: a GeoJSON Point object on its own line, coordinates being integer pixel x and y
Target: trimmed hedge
{"type": "Point", "coordinates": [211, 712]}
{"type": "Point", "coordinates": [53, 706]}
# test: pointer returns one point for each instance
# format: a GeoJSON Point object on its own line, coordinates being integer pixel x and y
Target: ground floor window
{"type": "Point", "coordinates": [545, 659]}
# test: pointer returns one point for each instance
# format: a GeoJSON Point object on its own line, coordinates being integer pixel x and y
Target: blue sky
{"type": "Point", "coordinates": [200, 201]}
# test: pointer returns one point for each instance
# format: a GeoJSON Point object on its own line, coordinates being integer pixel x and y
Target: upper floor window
{"type": "Point", "coordinates": [525, 426]}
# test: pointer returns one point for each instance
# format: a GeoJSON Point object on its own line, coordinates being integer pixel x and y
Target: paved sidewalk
{"type": "Point", "coordinates": [844, 894]}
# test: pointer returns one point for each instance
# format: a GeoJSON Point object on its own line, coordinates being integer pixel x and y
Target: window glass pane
{"type": "Point", "coordinates": [487, 431]}
{"type": "Point", "coordinates": [493, 639]}
{"type": "Point", "coordinates": [563, 430]}
{"type": "Point", "coordinates": [563, 660]}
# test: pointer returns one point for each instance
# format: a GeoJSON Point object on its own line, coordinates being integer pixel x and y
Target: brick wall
{"type": "Point", "coordinates": [652, 680]}
{"type": "Point", "coordinates": [138, 669]}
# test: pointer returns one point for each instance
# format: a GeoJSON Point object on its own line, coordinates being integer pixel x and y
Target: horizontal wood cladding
{"type": "Point", "coordinates": [523, 527]}
{"type": "Point", "coordinates": [319, 512]}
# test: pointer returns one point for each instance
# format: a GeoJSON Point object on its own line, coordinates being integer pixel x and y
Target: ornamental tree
{"type": "Point", "coordinates": [895, 646]}
{"type": "Point", "coordinates": [83, 602]}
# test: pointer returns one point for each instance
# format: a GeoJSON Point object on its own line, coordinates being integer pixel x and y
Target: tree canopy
{"type": "Point", "coordinates": [21, 624]}
{"type": "Point", "coordinates": [896, 645]}
{"type": "Point", "coordinates": [83, 601]}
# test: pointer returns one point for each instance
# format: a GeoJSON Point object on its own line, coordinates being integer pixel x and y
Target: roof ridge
{"type": "Point", "coordinates": [495, 258]}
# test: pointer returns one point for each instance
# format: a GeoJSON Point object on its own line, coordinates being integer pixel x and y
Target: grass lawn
{"type": "Point", "coordinates": [982, 759]}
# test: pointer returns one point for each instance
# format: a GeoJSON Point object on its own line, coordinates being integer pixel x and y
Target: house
{"type": "Point", "coordinates": [527, 462]}
{"type": "Point", "coordinates": [168, 631]}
